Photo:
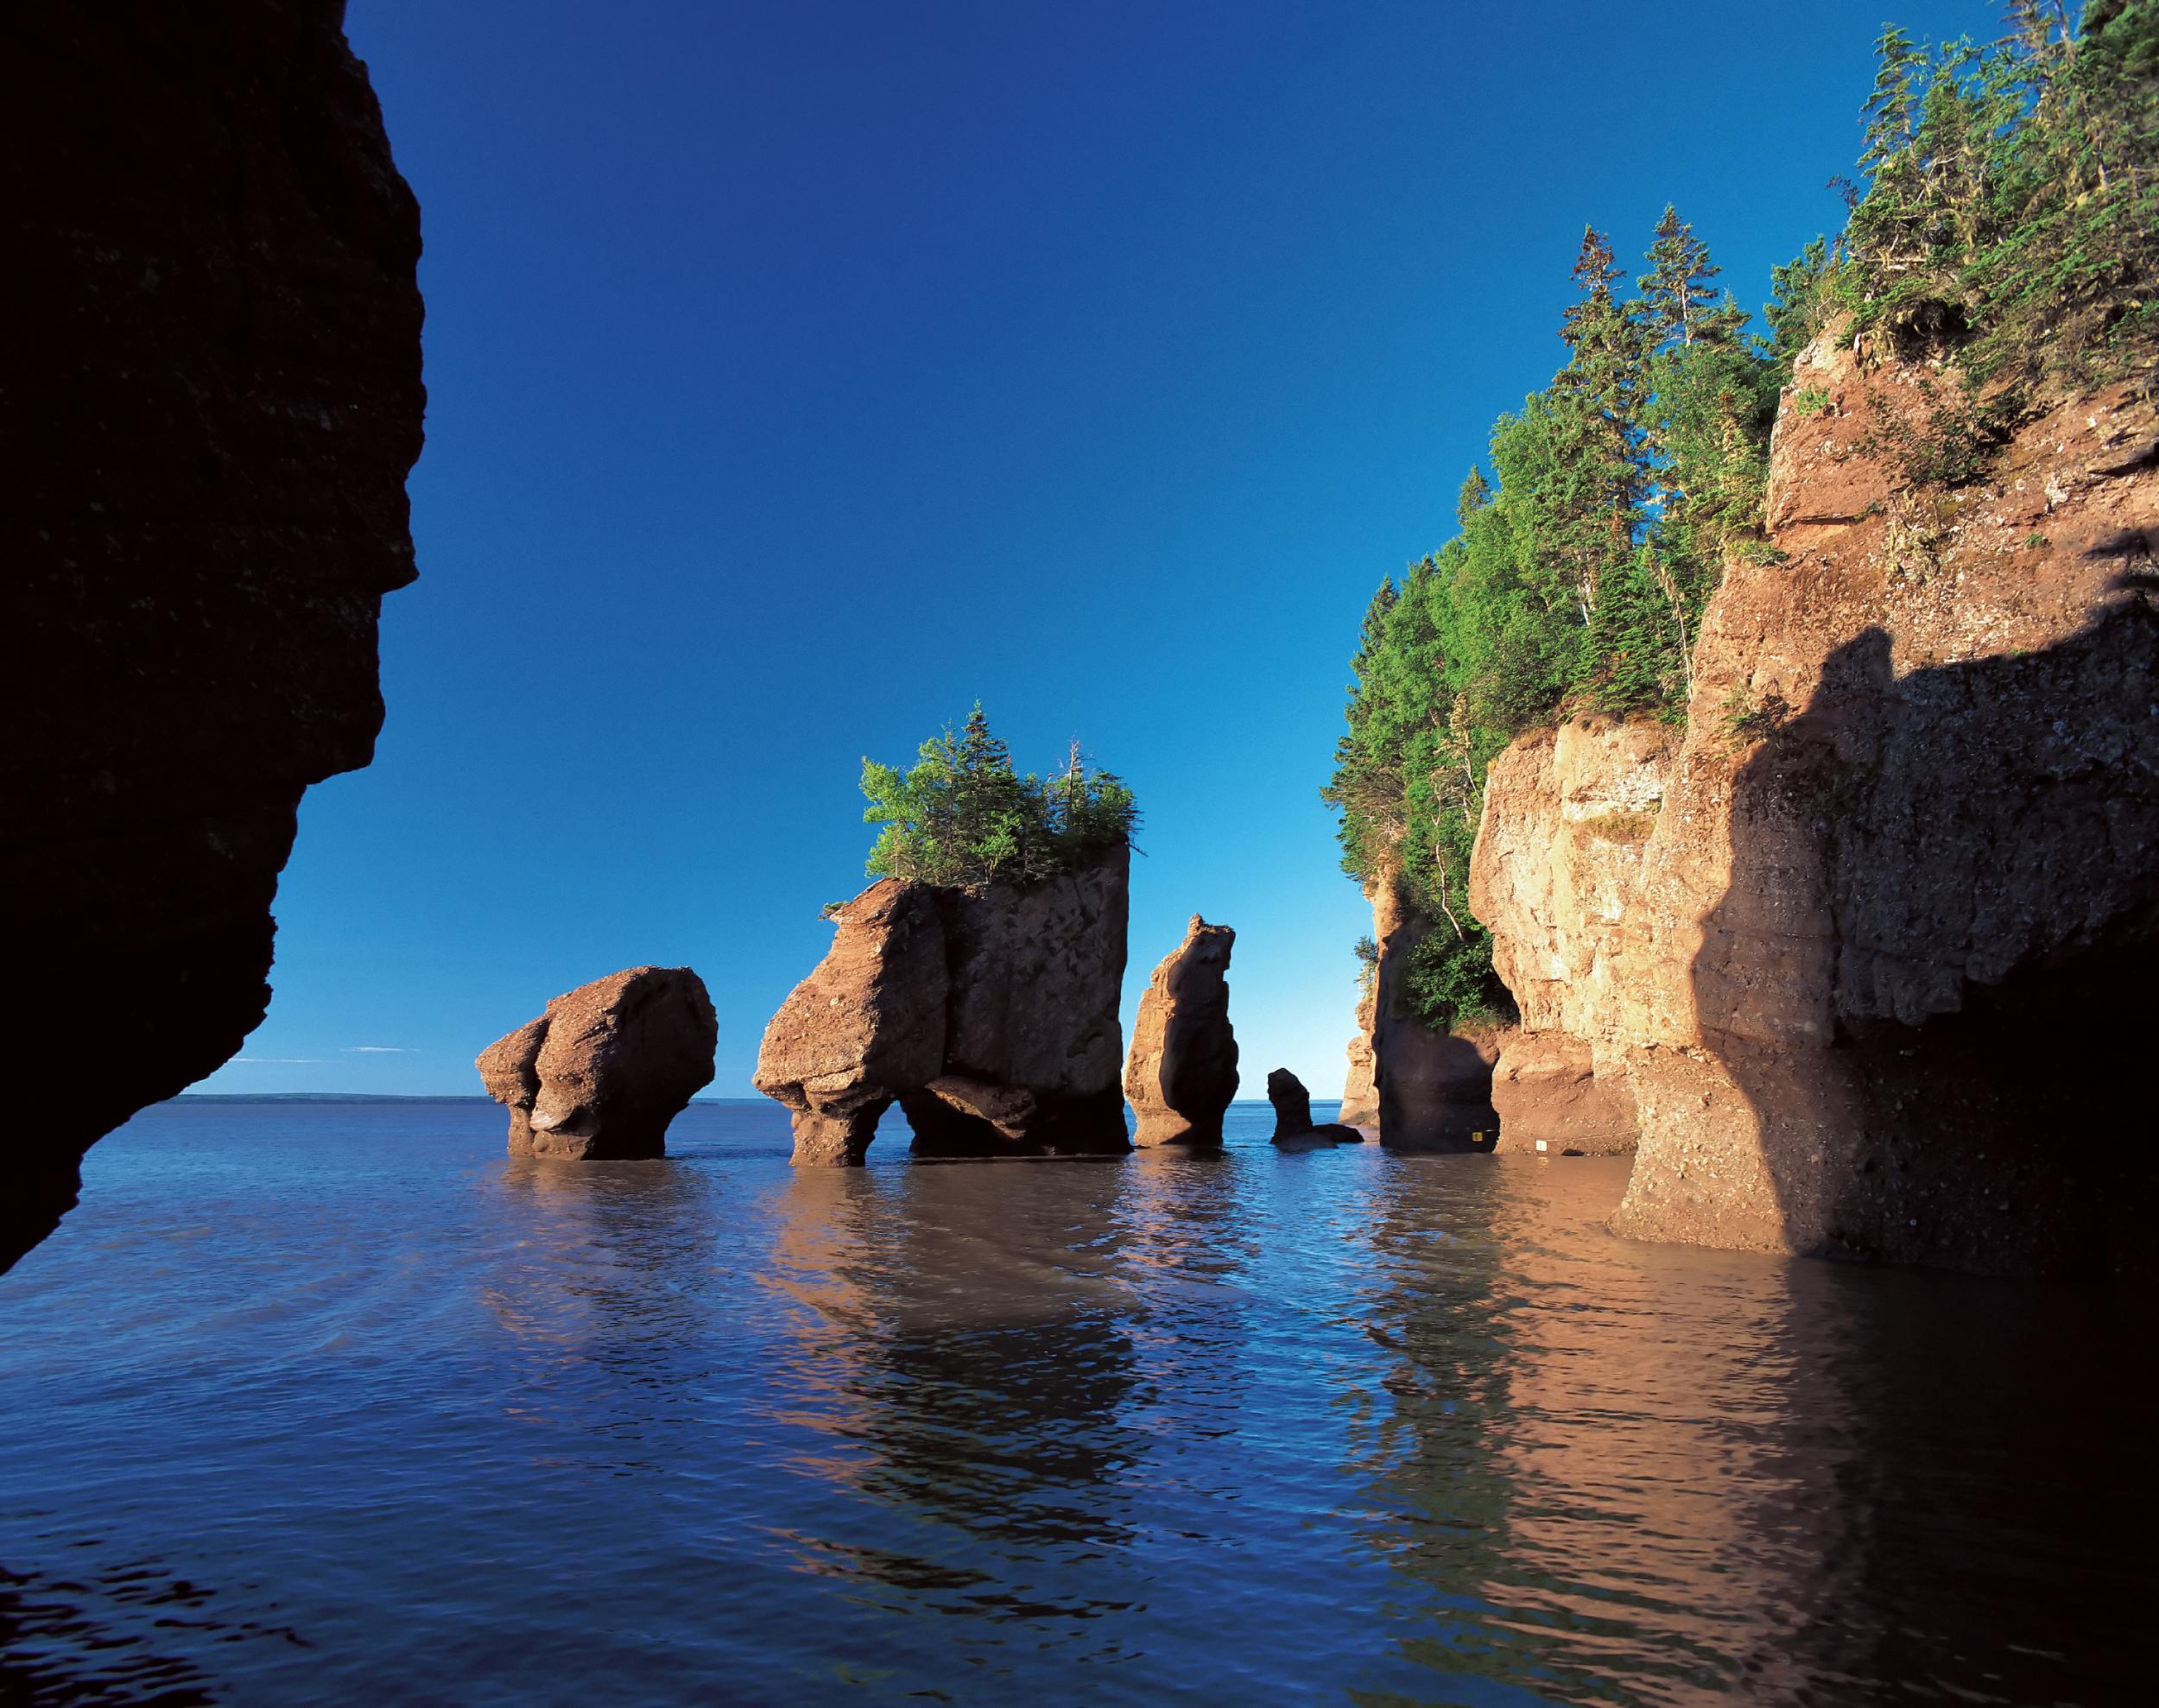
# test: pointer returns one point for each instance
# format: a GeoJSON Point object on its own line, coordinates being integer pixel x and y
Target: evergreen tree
{"type": "Point", "coordinates": [961, 817]}
{"type": "Point", "coordinates": [1678, 301]}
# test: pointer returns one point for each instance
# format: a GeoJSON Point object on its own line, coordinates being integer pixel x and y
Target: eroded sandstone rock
{"type": "Point", "coordinates": [990, 1017]}
{"type": "Point", "coordinates": [209, 332]}
{"type": "Point", "coordinates": [1182, 1073]}
{"type": "Point", "coordinates": [866, 1025]}
{"type": "Point", "coordinates": [598, 1077]}
{"type": "Point", "coordinates": [1566, 814]}
{"type": "Point", "coordinates": [1551, 1100]}
{"type": "Point", "coordinates": [1425, 1090]}
{"type": "Point", "coordinates": [1913, 830]}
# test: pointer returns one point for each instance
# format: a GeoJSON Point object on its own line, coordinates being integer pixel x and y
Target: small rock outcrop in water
{"type": "Point", "coordinates": [1182, 1074]}
{"type": "Point", "coordinates": [989, 1017]}
{"type": "Point", "coordinates": [1293, 1114]}
{"type": "Point", "coordinates": [599, 1075]}
{"type": "Point", "coordinates": [211, 339]}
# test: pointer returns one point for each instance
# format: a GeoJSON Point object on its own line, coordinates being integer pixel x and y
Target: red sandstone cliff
{"type": "Point", "coordinates": [1566, 815]}
{"type": "Point", "coordinates": [210, 369]}
{"type": "Point", "coordinates": [1874, 980]}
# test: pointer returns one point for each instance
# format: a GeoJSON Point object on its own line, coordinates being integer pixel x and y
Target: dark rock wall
{"type": "Point", "coordinates": [210, 394]}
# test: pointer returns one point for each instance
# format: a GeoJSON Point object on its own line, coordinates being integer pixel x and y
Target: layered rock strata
{"type": "Point", "coordinates": [1566, 815]}
{"type": "Point", "coordinates": [211, 344]}
{"type": "Point", "coordinates": [599, 1075]}
{"type": "Point", "coordinates": [990, 1017]}
{"type": "Point", "coordinates": [1293, 1114]}
{"type": "Point", "coordinates": [1909, 848]}
{"type": "Point", "coordinates": [1181, 1075]}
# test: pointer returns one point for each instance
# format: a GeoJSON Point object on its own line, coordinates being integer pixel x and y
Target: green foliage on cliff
{"type": "Point", "coordinates": [2009, 212]}
{"type": "Point", "coordinates": [960, 816]}
{"type": "Point", "coordinates": [2009, 218]}
{"type": "Point", "coordinates": [1575, 583]}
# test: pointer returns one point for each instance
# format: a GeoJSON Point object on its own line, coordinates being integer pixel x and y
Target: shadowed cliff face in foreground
{"type": "Point", "coordinates": [211, 348]}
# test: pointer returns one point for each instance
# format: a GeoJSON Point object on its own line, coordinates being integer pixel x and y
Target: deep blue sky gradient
{"type": "Point", "coordinates": [800, 373]}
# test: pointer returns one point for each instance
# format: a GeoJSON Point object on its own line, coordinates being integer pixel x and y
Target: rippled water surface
{"type": "Point", "coordinates": [334, 1402]}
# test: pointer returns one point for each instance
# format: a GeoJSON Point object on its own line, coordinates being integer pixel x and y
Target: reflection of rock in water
{"type": "Point", "coordinates": [1559, 1466]}
{"type": "Point", "coordinates": [960, 1343]}
{"type": "Point", "coordinates": [1620, 1464]}
{"type": "Point", "coordinates": [2034, 1587]}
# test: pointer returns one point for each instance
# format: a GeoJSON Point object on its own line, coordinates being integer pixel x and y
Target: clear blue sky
{"type": "Point", "coordinates": [800, 373]}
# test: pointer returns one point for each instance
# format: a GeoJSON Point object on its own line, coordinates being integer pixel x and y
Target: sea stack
{"type": "Point", "coordinates": [989, 1015]}
{"type": "Point", "coordinates": [1426, 1089]}
{"type": "Point", "coordinates": [600, 1074]}
{"type": "Point", "coordinates": [1293, 1114]}
{"type": "Point", "coordinates": [1182, 1074]}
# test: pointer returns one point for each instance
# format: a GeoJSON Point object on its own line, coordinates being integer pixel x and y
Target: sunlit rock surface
{"type": "Point", "coordinates": [990, 1017]}
{"type": "Point", "coordinates": [1181, 1075]}
{"type": "Point", "coordinates": [600, 1074]}
{"type": "Point", "coordinates": [1909, 846]}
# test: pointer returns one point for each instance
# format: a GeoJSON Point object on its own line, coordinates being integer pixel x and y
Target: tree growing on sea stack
{"type": "Point", "coordinates": [961, 818]}
{"type": "Point", "coordinates": [976, 981]}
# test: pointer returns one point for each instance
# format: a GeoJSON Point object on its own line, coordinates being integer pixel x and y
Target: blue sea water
{"type": "Point", "coordinates": [334, 1402]}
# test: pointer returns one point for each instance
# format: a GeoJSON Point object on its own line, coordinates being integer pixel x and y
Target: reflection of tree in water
{"type": "Point", "coordinates": [1439, 1510]}
{"type": "Point", "coordinates": [963, 1350]}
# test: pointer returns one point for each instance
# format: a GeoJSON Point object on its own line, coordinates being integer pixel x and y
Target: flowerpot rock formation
{"type": "Point", "coordinates": [989, 1017]}
{"type": "Point", "coordinates": [598, 1077]}
{"type": "Point", "coordinates": [1182, 1074]}
{"type": "Point", "coordinates": [1293, 1114]}
{"type": "Point", "coordinates": [211, 339]}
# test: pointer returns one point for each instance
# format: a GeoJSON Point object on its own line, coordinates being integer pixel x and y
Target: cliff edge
{"type": "Point", "coordinates": [213, 395]}
{"type": "Point", "coordinates": [1912, 830]}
